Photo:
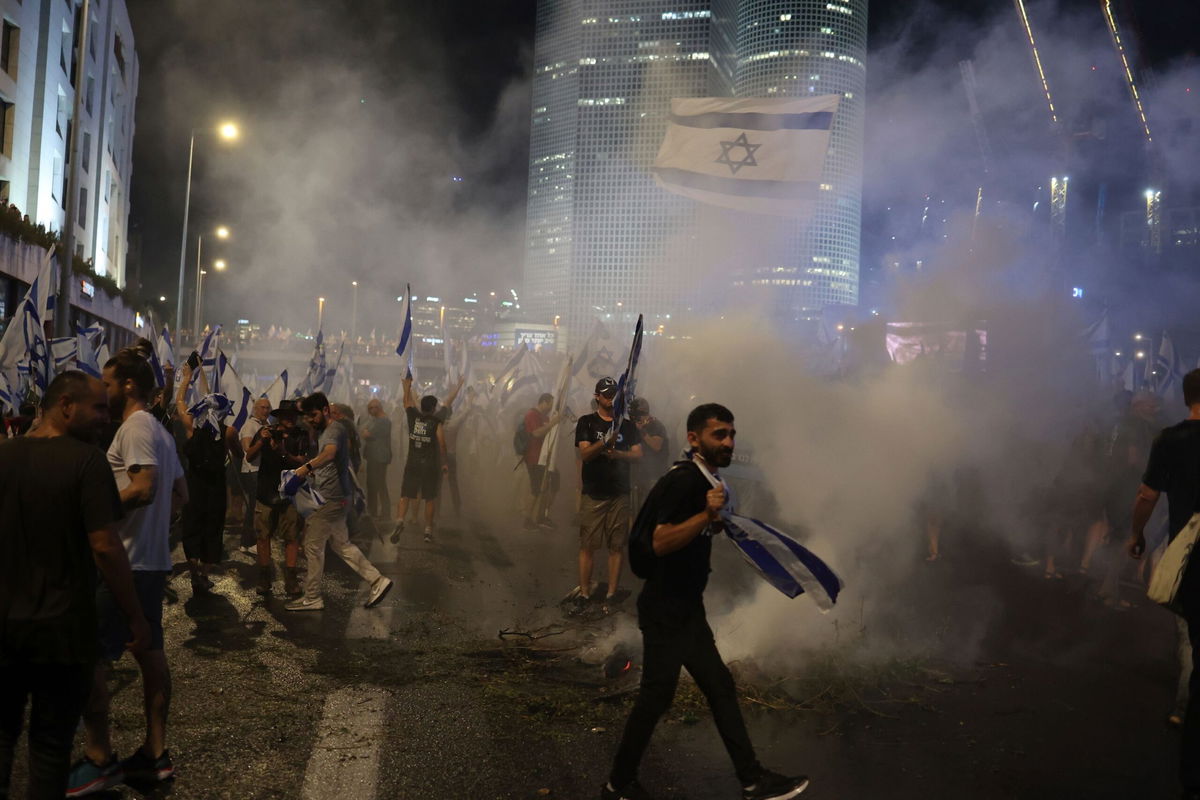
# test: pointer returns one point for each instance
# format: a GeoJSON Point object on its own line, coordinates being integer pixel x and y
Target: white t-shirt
{"type": "Point", "coordinates": [145, 531]}
{"type": "Point", "coordinates": [249, 428]}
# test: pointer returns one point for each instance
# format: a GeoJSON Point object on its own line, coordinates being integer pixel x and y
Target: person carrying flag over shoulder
{"type": "Point", "coordinates": [681, 514]}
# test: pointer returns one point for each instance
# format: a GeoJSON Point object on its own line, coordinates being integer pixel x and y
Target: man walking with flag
{"type": "Point", "coordinates": [680, 516]}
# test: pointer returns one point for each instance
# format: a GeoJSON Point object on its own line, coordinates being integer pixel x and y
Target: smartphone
{"type": "Point", "coordinates": [193, 360]}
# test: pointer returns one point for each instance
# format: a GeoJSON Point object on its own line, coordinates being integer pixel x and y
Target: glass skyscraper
{"type": "Point", "coordinates": [602, 238]}
{"type": "Point", "coordinates": [796, 48]}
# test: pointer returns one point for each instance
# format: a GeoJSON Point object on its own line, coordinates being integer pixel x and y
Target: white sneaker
{"type": "Point", "coordinates": [304, 604]}
{"type": "Point", "coordinates": [379, 590]}
{"type": "Point", "coordinates": [429, 534]}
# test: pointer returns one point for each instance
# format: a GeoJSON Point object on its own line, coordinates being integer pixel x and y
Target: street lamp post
{"type": "Point", "coordinates": [354, 317]}
{"type": "Point", "coordinates": [227, 131]}
{"type": "Point", "coordinates": [218, 265]}
{"type": "Point", "coordinates": [221, 232]}
{"type": "Point", "coordinates": [320, 312]}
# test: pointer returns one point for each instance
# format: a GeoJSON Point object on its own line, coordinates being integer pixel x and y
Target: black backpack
{"type": "Point", "coordinates": [521, 437]}
{"type": "Point", "coordinates": [642, 559]}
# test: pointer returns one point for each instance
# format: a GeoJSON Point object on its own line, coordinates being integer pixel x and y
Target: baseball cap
{"type": "Point", "coordinates": [606, 386]}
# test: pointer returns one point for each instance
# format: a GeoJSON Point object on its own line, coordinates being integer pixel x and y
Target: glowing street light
{"type": "Point", "coordinates": [219, 264]}
{"type": "Point", "coordinates": [354, 316]}
{"type": "Point", "coordinates": [227, 131]}
{"type": "Point", "coordinates": [320, 312]}
{"type": "Point", "coordinates": [222, 232]}
{"type": "Point", "coordinates": [1140, 354]}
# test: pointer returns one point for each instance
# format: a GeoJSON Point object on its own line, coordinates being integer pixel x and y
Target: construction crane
{"type": "Point", "coordinates": [967, 68]}
{"type": "Point", "coordinates": [1037, 60]}
{"type": "Point", "coordinates": [1111, 18]}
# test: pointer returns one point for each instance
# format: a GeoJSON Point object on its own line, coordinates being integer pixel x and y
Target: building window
{"type": "Point", "coordinates": [7, 120]}
{"type": "Point", "coordinates": [81, 213]}
{"type": "Point", "coordinates": [91, 91]}
{"type": "Point", "coordinates": [60, 120]}
{"type": "Point", "coordinates": [87, 151]}
{"type": "Point", "coordinates": [119, 53]}
{"type": "Point", "coordinates": [10, 48]}
{"type": "Point", "coordinates": [107, 185]}
{"type": "Point", "coordinates": [56, 179]}
{"type": "Point", "coordinates": [64, 53]}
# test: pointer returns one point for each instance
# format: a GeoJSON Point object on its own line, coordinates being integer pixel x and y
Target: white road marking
{"type": "Point", "coordinates": [345, 758]}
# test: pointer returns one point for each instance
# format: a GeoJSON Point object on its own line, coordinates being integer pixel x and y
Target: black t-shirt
{"type": "Point", "coordinates": [653, 464]}
{"type": "Point", "coordinates": [53, 493]}
{"type": "Point", "coordinates": [1174, 468]}
{"type": "Point", "coordinates": [206, 455]}
{"type": "Point", "coordinates": [422, 435]}
{"type": "Point", "coordinates": [271, 462]}
{"type": "Point", "coordinates": [603, 477]}
{"type": "Point", "coordinates": [677, 585]}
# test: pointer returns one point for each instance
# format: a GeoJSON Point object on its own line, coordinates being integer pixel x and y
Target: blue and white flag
{"type": "Point", "coordinates": [208, 413]}
{"type": "Point", "coordinates": [24, 345]}
{"type": "Point", "coordinates": [627, 383]}
{"type": "Point", "coordinates": [9, 396]}
{"type": "Point", "coordinates": [232, 386]}
{"type": "Point", "coordinates": [315, 377]}
{"type": "Point", "coordinates": [406, 326]}
{"type": "Point", "coordinates": [164, 348]}
{"type": "Point", "coordinates": [66, 353]}
{"type": "Point", "coordinates": [1168, 369]}
{"type": "Point", "coordinates": [277, 390]}
{"type": "Point", "coordinates": [591, 346]}
{"type": "Point", "coordinates": [778, 558]}
{"type": "Point", "coordinates": [331, 374]}
{"type": "Point", "coordinates": [756, 154]}
{"type": "Point", "coordinates": [91, 340]}
{"type": "Point", "coordinates": [300, 492]}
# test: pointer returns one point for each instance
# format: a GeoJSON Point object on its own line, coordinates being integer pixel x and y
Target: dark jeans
{"type": "Point", "coordinates": [204, 518]}
{"type": "Point", "coordinates": [59, 692]}
{"type": "Point", "coordinates": [249, 484]}
{"type": "Point", "coordinates": [1190, 741]}
{"type": "Point", "coordinates": [379, 500]}
{"type": "Point", "coordinates": [668, 645]}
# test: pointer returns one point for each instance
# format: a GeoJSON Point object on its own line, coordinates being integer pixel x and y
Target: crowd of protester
{"type": "Point", "coordinates": [174, 471]}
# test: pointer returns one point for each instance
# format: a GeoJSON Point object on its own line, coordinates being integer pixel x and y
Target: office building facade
{"type": "Point", "coordinates": [37, 101]}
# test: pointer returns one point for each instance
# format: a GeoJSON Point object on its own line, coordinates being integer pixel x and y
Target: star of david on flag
{"type": "Point", "coordinates": [763, 155]}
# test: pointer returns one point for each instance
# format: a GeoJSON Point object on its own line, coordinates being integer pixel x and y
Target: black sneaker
{"type": "Point", "coordinates": [633, 791]}
{"type": "Point", "coordinates": [773, 786]}
{"type": "Point", "coordinates": [396, 531]}
{"type": "Point", "coordinates": [142, 767]}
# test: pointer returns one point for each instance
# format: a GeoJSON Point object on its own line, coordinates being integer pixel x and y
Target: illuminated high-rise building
{"type": "Point", "coordinates": [602, 239]}
{"type": "Point", "coordinates": [796, 48]}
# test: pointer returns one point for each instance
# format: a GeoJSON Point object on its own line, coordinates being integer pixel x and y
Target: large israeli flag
{"type": "Point", "coordinates": [756, 154]}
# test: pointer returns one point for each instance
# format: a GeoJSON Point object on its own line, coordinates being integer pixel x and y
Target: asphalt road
{"type": "Point", "coordinates": [422, 697]}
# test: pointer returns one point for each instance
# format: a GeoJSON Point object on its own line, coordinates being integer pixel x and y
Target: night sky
{"type": "Point", "coordinates": [478, 50]}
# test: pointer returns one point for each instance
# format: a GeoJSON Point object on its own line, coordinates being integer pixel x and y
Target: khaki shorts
{"type": "Point", "coordinates": [282, 522]}
{"type": "Point", "coordinates": [604, 523]}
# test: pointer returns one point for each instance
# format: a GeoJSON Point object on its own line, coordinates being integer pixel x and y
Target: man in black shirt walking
{"type": "Point", "coordinates": [604, 506]}
{"type": "Point", "coordinates": [59, 507]}
{"type": "Point", "coordinates": [1174, 468]}
{"type": "Point", "coordinates": [684, 511]}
